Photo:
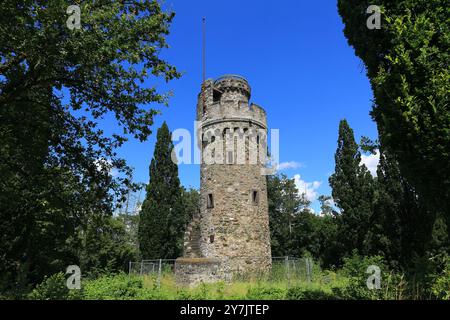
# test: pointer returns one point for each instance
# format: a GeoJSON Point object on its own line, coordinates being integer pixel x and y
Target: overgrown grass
{"type": "Point", "coordinates": [123, 287]}
{"type": "Point", "coordinates": [347, 283]}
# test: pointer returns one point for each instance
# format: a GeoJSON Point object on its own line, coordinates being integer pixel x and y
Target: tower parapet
{"type": "Point", "coordinates": [227, 98]}
{"type": "Point", "coordinates": [233, 87]}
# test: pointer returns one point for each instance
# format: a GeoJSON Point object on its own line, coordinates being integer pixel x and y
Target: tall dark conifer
{"type": "Point", "coordinates": [400, 227]}
{"type": "Point", "coordinates": [162, 218]}
{"type": "Point", "coordinates": [352, 187]}
{"type": "Point", "coordinates": [407, 65]}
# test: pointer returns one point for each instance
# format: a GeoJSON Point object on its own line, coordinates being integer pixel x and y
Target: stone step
{"type": "Point", "coordinates": [192, 238]}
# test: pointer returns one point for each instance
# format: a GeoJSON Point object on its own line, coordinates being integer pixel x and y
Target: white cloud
{"type": "Point", "coordinates": [307, 188]}
{"type": "Point", "coordinates": [289, 165]}
{"type": "Point", "coordinates": [371, 162]}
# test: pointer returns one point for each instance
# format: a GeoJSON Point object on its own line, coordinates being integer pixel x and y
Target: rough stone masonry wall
{"type": "Point", "coordinates": [240, 229]}
{"type": "Point", "coordinates": [235, 230]}
{"type": "Point", "coordinates": [191, 272]}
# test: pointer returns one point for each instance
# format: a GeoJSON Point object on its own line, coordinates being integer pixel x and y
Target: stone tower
{"type": "Point", "coordinates": [233, 224]}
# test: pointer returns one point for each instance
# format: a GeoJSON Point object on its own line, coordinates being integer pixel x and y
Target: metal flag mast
{"type": "Point", "coordinates": [204, 63]}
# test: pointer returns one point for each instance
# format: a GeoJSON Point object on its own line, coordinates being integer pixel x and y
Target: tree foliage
{"type": "Point", "coordinates": [385, 215]}
{"type": "Point", "coordinates": [56, 86]}
{"type": "Point", "coordinates": [352, 191]}
{"type": "Point", "coordinates": [397, 214]}
{"type": "Point", "coordinates": [163, 216]}
{"type": "Point", "coordinates": [294, 229]}
{"type": "Point", "coordinates": [191, 202]}
{"type": "Point", "coordinates": [407, 63]}
{"type": "Point", "coordinates": [284, 204]}
{"type": "Point", "coordinates": [107, 247]}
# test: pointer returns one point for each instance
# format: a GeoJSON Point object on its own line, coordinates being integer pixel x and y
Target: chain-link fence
{"type": "Point", "coordinates": [290, 270]}
{"type": "Point", "coordinates": [147, 267]}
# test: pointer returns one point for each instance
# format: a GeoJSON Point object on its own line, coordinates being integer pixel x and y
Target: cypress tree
{"type": "Point", "coordinates": [352, 191]}
{"type": "Point", "coordinates": [162, 218]}
{"type": "Point", "coordinates": [400, 227]}
{"type": "Point", "coordinates": [385, 233]}
{"type": "Point", "coordinates": [407, 65]}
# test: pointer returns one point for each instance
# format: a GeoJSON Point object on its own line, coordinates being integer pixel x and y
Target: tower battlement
{"type": "Point", "coordinates": [227, 99]}
{"type": "Point", "coordinates": [233, 83]}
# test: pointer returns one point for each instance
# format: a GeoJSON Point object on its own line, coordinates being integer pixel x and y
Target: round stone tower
{"type": "Point", "coordinates": [233, 225]}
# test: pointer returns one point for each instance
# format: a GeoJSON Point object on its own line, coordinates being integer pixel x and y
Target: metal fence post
{"type": "Point", "coordinates": [159, 273]}
{"type": "Point", "coordinates": [288, 275]}
{"type": "Point", "coordinates": [142, 266]}
{"type": "Point", "coordinates": [308, 268]}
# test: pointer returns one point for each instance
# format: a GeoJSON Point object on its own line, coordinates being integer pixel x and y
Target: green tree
{"type": "Point", "coordinates": [316, 235]}
{"type": "Point", "coordinates": [407, 65]}
{"type": "Point", "coordinates": [191, 201]}
{"type": "Point", "coordinates": [107, 247]}
{"type": "Point", "coordinates": [163, 215]}
{"type": "Point", "coordinates": [131, 224]}
{"type": "Point", "coordinates": [326, 207]}
{"type": "Point", "coordinates": [294, 229]}
{"type": "Point", "coordinates": [352, 191]}
{"type": "Point", "coordinates": [284, 203]}
{"type": "Point", "coordinates": [56, 85]}
{"type": "Point", "coordinates": [394, 232]}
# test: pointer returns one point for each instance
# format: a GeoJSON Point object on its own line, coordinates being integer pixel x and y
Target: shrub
{"type": "Point", "coordinates": [354, 269]}
{"type": "Point", "coordinates": [120, 286]}
{"type": "Point", "coordinates": [299, 293]}
{"type": "Point", "coordinates": [51, 288]}
{"type": "Point", "coordinates": [441, 286]}
{"type": "Point", "coordinates": [265, 293]}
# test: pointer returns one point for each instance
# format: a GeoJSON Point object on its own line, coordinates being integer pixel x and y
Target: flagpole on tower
{"type": "Point", "coordinates": [204, 62]}
{"type": "Point", "coordinates": [204, 48]}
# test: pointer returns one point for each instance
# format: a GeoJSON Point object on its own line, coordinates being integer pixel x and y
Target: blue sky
{"type": "Point", "coordinates": [300, 68]}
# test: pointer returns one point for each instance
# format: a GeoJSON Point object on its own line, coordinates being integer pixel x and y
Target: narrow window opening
{"type": "Point", "coordinates": [213, 152]}
{"type": "Point", "coordinates": [211, 238]}
{"type": "Point", "coordinates": [217, 95]}
{"type": "Point", "coordinates": [210, 201]}
{"type": "Point", "coordinates": [255, 197]}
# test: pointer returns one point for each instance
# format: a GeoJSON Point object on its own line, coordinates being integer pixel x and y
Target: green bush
{"type": "Point", "coordinates": [265, 293]}
{"type": "Point", "coordinates": [52, 288]}
{"type": "Point", "coordinates": [300, 293]}
{"type": "Point", "coordinates": [441, 286]}
{"type": "Point", "coordinates": [354, 269]}
{"type": "Point", "coordinates": [349, 283]}
{"type": "Point", "coordinates": [115, 287]}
